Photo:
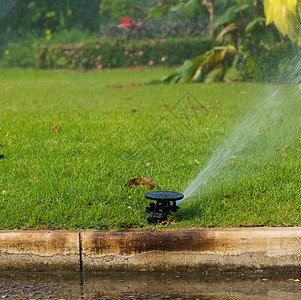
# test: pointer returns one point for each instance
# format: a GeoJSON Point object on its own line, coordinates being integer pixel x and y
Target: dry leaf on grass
{"type": "Point", "coordinates": [54, 128]}
{"type": "Point", "coordinates": [142, 181]}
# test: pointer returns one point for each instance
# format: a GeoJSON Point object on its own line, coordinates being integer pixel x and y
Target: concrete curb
{"type": "Point", "coordinates": [165, 250]}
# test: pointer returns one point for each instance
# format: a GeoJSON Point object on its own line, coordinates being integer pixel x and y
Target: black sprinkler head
{"type": "Point", "coordinates": [165, 204]}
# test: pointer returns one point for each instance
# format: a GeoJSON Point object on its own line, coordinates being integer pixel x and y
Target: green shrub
{"type": "Point", "coordinates": [120, 53]}
{"type": "Point", "coordinates": [21, 52]}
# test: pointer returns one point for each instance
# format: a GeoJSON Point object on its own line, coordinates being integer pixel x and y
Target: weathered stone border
{"type": "Point", "coordinates": [165, 250]}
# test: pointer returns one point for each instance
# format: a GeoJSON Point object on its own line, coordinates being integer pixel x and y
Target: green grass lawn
{"type": "Point", "coordinates": [74, 177]}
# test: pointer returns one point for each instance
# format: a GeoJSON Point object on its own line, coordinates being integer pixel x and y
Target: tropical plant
{"type": "Point", "coordinates": [286, 16]}
{"type": "Point", "coordinates": [245, 38]}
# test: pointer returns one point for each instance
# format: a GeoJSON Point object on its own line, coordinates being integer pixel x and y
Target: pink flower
{"type": "Point", "coordinates": [164, 58]}
{"type": "Point", "coordinates": [140, 53]}
{"type": "Point", "coordinates": [97, 46]}
{"type": "Point", "coordinates": [76, 55]}
{"type": "Point", "coordinates": [126, 53]}
{"type": "Point", "coordinates": [152, 43]}
{"type": "Point", "coordinates": [135, 63]}
{"type": "Point", "coordinates": [151, 63]}
{"type": "Point", "coordinates": [85, 60]}
{"type": "Point", "coordinates": [99, 67]}
{"type": "Point", "coordinates": [79, 45]}
{"type": "Point", "coordinates": [98, 57]}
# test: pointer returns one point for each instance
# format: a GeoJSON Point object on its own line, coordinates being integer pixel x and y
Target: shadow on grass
{"type": "Point", "coordinates": [189, 211]}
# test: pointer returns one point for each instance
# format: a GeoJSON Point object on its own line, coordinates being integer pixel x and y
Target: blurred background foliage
{"type": "Point", "coordinates": [241, 36]}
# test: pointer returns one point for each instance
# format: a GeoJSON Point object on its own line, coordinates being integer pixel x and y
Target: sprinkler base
{"type": "Point", "coordinates": [165, 204]}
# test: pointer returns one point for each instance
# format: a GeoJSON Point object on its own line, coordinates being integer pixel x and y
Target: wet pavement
{"type": "Point", "coordinates": [119, 285]}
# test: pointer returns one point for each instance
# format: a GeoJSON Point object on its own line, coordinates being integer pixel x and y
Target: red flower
{"type": "Point", "coordinates": [126, 21]}
{"type": "Point", "coordinates": [127, 24]}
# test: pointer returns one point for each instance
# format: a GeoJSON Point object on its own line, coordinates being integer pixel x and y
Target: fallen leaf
{"type": "Point", "coordinates": [233, 157]}
{"type": "Point", "coordinates": [142, 181]}
{"type": "Point", "coordinates": [165, 105]}
{"type": "Point", "coordinates": [293, 280]}
{"type": "Point", "coordinates": [134, 110]}
{"type": "Point", "coordinates": [4, 192]}
{"type": "Point", "coordinates": [180, 137]}
{"type": "Point", "coordinates": [147, 164]}
{"type": "Point", "coordinates": [54, 128]}
{"type": "Point", "coordinates": [129, 85]}
{"type": "Point", "coordinates": [277, 150]}
{"type": "Point", "coordinates": [283, 155]}
{"type": "Point", "coordinates": [10, 143]}
{"type": "Point", "coordinates": [32, 176]}
{"type": "Point", "coordinates": [197, 162]}
{"type": "Point", "coordinates": [284, 147]}
{"type": "Point", "coordinates": [264, 279]}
